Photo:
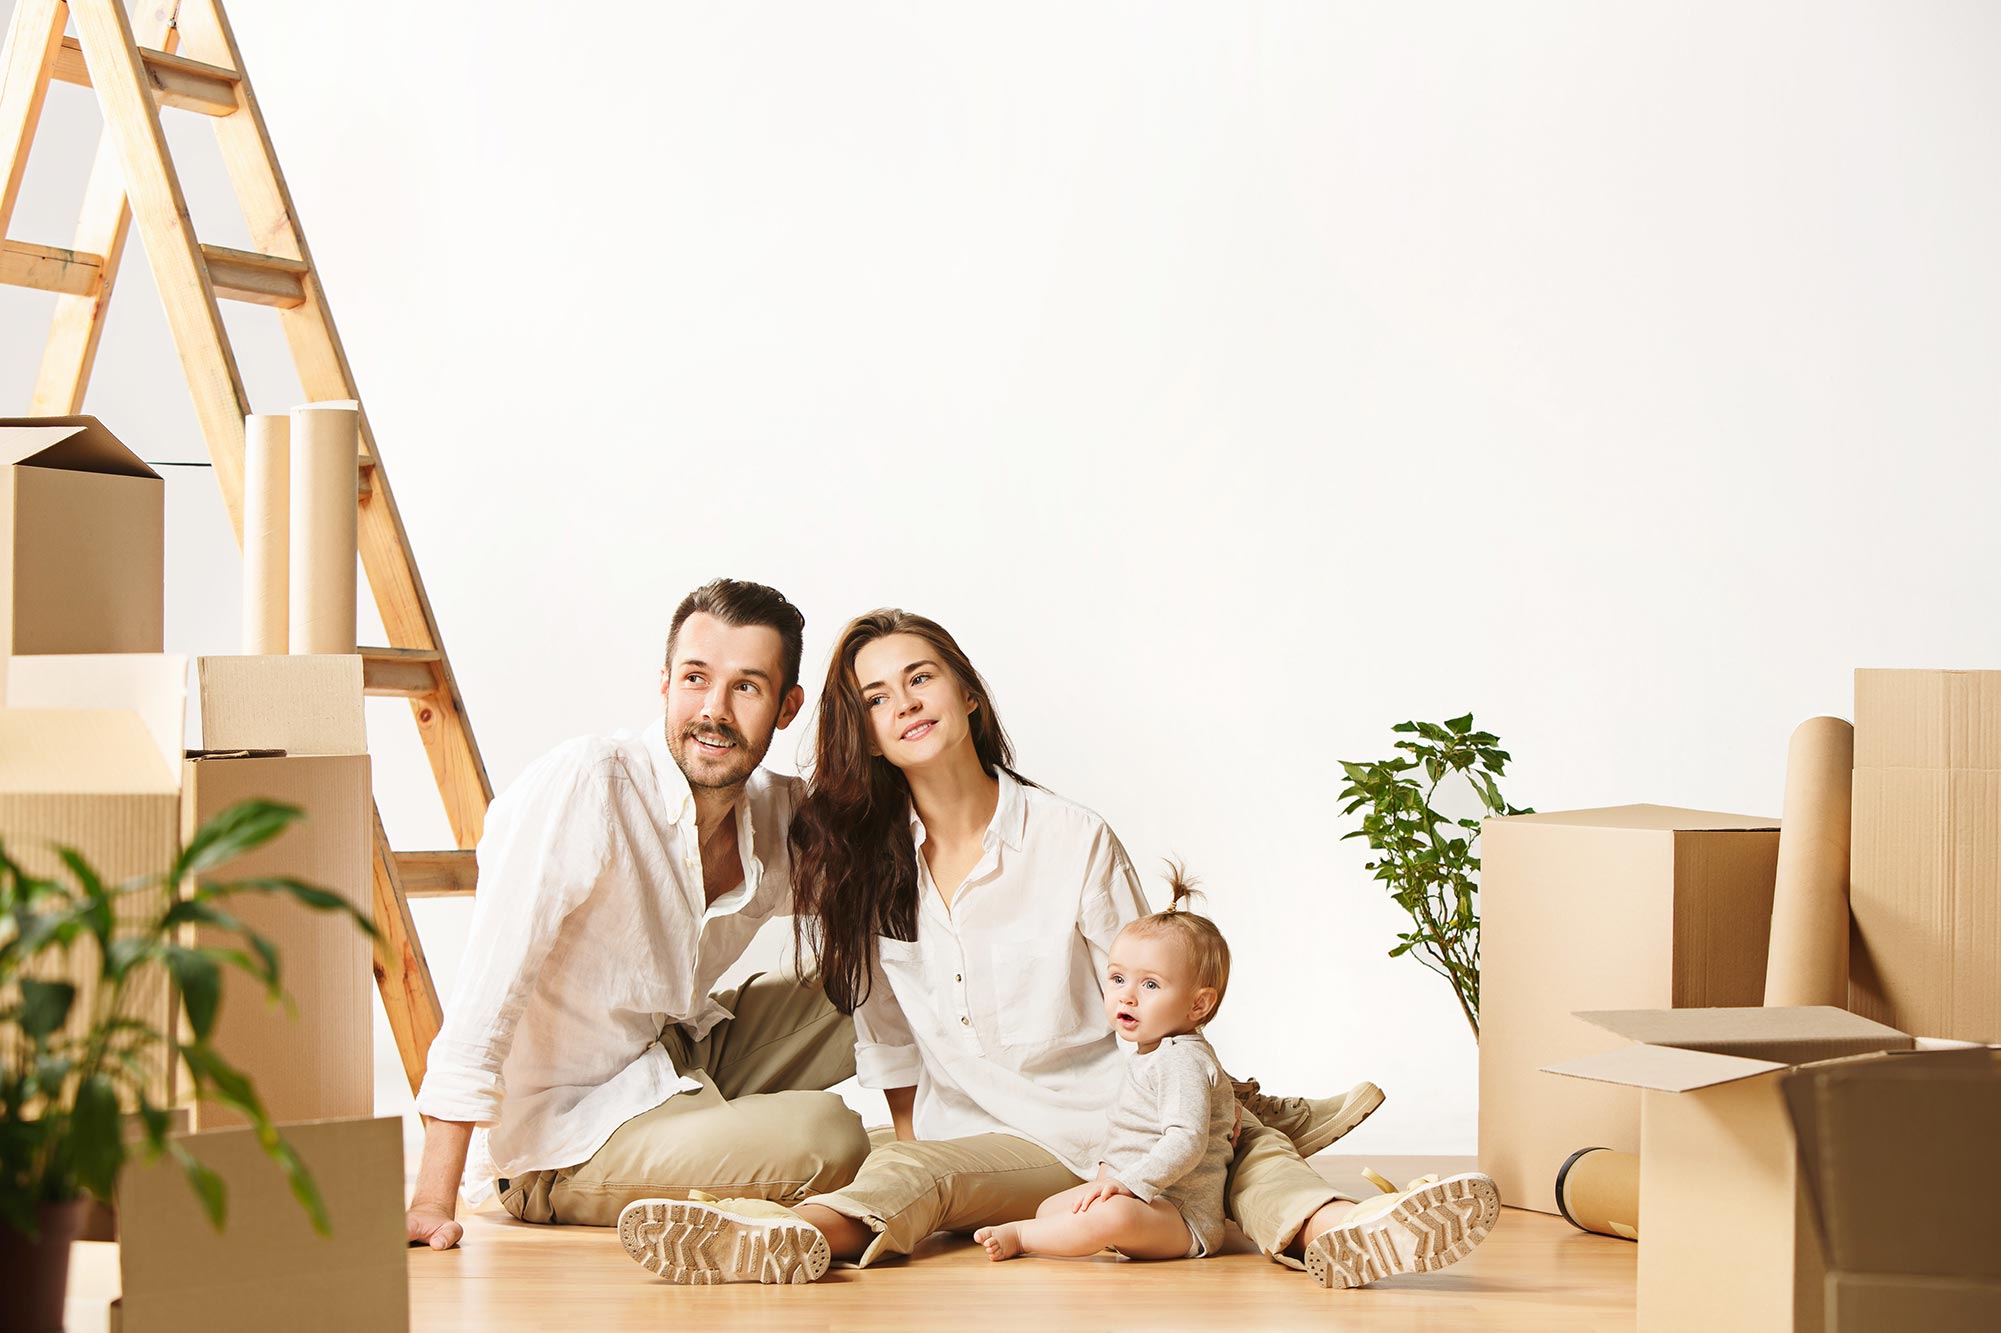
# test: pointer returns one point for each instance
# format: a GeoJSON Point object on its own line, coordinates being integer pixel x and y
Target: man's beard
{"type": "Point", "coordinates": [718, 772]}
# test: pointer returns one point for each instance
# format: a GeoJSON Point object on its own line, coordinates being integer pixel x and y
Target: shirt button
{"type": "Point", "coordinates": [958, 978]}
{"type": "Point", "coordinates": [964, 1021]}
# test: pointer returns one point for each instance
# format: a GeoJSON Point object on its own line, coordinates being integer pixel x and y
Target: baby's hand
{"type": "Point", "coordinates": [1098, 1189]}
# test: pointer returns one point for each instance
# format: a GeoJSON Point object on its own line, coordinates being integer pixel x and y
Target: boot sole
{"type": "Point", "coordinates": [697, 1245]}
{"type": "Point", "coordinates": [1363, 1099]}
{"type": "Point", "coordinates": [1434, 1228]}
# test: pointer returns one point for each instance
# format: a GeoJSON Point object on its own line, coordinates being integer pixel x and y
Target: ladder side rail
{"type": "Point", "coordinates": [102, 226]}
{"type": "Point", "coordinates": [409, 997]}
{"type": "Point", "coordinates": [160, 210]}
{"type": "Point", "coordinates": [34, 36]}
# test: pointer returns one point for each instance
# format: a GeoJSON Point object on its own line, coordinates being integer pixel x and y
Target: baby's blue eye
{"type": "Point", "coordinates": [1153, 985]}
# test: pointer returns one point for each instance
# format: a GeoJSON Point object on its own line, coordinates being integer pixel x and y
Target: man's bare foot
{"type": "Point", "coordinates": [1002, 1242]}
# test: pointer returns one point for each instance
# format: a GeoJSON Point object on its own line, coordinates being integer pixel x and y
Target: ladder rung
{"type": "Point", "coordinates": [436, 874]}
{"type": "Point", "coordinates": [67, 271]}
{"type": "Point", "coordinates": [408, 673]}
{"type": "Point", "coordinates": [177, 81]}
{"type": "Point", "coordinates": [240, 275]}
{"type": "Point", "coordinates": [367, 484]}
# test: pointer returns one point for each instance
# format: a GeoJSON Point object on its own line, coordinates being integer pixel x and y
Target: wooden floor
{"type": "Point", "coordinates": [1534, 1272]}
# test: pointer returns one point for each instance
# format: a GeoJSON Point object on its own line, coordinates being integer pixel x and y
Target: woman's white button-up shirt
{"type": "Point", "coordinates": [995, 1012]}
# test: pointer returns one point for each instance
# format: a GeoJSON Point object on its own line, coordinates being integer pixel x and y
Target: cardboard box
{"type": "Point", "coordinates": [313, 1059]}
{"type": "Point", "coordinates": [82, 540]}
{"type": "Point", "coordinates": [106, 781]}
{"type": "Point", "coordinates": [1901, 1167]}
{"type": "Point", "coordinates": [1728, 1239]}
{"type": "Point", "coordinates": [1634, 907]}
{"type": "Point", "coordinates": [1925, 881]}
{"type": "Point", "coordinates": [268, 1269]}
{"type": "Point", "coordinates": [1886, 1303]}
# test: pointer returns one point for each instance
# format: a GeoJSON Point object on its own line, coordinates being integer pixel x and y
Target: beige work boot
{"type": "Point", "coordinates": [704, 1240]}
{"type": "Point", "coordinates": [1428, 1225]}
{"type": "Point", "coordinates": [1312, 1123]}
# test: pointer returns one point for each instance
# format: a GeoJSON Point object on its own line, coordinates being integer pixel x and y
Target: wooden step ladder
{"type": "Point", "coordinates": [182, 54]}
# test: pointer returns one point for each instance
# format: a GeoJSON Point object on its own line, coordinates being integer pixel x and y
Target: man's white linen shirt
{"type": "Point", "coordinates": [591, 932]}
{"type": "Point", "coordinates": [995, 1012]}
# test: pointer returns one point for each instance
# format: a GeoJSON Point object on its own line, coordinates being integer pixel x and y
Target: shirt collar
{"type": "Point", "coordinates": [679, 796]}
{"type": "Point", "coordinates": [1008, 824]}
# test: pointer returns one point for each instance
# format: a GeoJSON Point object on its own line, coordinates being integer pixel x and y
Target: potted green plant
{"type": "Point", "coordinates": [77, 1097]}
{"type": "Point", "coordinates": [1430, 863]}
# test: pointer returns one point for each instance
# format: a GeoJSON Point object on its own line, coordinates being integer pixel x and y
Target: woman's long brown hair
{"type": "Point", "coordinates": [854, 872]}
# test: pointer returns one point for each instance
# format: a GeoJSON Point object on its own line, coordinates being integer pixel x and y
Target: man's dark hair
{"type": "Point", "coordinates": [738, 603]}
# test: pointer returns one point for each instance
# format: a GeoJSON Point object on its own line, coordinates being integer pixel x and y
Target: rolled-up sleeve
{"type": "Point", "coordinates": [1111, 897]}
{"type": "Point", "coordinates": [547, 841]}
{"type": "Point", "coordinates": [885, 1049]}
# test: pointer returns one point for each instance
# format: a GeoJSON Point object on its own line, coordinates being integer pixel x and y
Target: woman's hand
{"type": "Point", "coordinates": [1096, 1190]}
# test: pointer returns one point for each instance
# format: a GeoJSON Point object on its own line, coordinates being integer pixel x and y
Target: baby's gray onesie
{"type": "Point", "coordinates": [1168, 1135]}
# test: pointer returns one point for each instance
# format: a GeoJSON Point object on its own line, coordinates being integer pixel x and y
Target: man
{"type": "Point", "coordinates": [583, 1063]}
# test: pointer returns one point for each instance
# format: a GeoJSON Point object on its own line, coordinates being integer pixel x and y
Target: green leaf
{"type": "Point", "coordinates": [320, 900]}
{"type": "Point", "coordinates": [231, 833]}
{"type": "Point", "coordinates": [304, 1188]}
{"type": "Point", "coordinates": [96, 1138]}
{"type": "Point", "coordinates": [44, 1006]}
{"type": "Point", "coordinates": [207, 1185]}
{"type": "Point", "coordinates": [127, 952]}
{"type": "Point", "coordinates": [157, 1122]}
{"type": "Point", "coordinates": [230, 1086]}
{"type": "Point", "coordinates": [200, 981]}
{"type": "Point", "coordinates": [1459, 726]}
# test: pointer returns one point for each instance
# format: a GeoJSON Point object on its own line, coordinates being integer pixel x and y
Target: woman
{"type": "Point", "coordinates": [963, 915]}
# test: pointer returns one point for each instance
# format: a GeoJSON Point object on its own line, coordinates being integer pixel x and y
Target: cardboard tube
{"type": "Point", "coordinates": [1599, 1190]}
{"type": "Point", "coordinates": [267, 526]}
{"type": "Point", "coordinates": [326, 451]}
{"type": "Point", "coordinates": [1808, 960]}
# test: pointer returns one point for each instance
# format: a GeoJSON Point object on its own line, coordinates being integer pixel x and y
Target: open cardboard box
{"type": "Point", "coordinates": [1902, 1166]}
{"type": "Point", "coordinates": [1727, 1237]}
{"type": "Point", "coordinates": [82, 541]}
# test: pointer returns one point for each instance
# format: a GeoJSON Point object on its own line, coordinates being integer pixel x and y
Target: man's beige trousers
{"type": "Point", "coordinates": [758, 1127]}
{"type": "Point", "coordinates": [906, 1191]}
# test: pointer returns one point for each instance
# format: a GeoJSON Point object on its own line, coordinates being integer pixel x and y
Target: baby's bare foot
{"type": "Point", "coordinates": [1002, 1242]}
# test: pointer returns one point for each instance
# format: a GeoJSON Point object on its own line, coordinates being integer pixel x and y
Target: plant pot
{"type": "Point", "coordinates": [34, 1274]}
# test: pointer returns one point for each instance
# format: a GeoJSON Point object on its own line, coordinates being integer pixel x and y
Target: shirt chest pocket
{"type": "Point", "coordinates": [1043, 991]}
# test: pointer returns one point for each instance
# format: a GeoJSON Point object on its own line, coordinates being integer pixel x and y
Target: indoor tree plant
{"type": "Point", "coordinates": [69, 1092]}
{"type": "Point", "coordinates": [1429, 862]}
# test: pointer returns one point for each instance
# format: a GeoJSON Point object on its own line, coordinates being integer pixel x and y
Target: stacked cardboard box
{"type": "Point", "coordinates": [1639, 906]}
{"type": "Point", "coordinates": [82, 541]}
{"type": "Point", "coordinates": [1925, 894]}
{"type": "Point", "coordinates": [1727, 1238]}
{"type": "Point", "coordinates": [105, 780]}
{"type": "Point", "coordinates": [290, 729]}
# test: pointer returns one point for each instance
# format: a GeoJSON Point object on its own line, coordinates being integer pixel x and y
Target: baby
{"type": "Point", "coordinates": [1159, 1188]}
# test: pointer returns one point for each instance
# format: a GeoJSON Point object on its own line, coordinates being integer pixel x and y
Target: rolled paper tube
{"type": "Point", "coordinates": [326, 450]}
{"type": "Point", "coordinates": [1808, 959]}
{"type": "Point", "coordinates": [267, 521]}
{"type": "Point", "coordinates": [1599, 1190]}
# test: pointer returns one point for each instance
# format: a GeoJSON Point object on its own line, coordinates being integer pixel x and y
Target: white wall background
{"type": "Point", "coordinates": [1233, 380]}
